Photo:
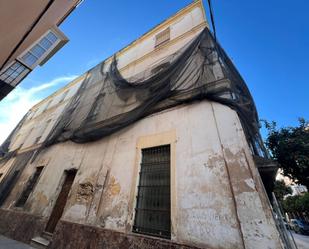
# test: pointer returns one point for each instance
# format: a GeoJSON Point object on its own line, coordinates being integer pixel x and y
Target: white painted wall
{"type": "Point", "coordinates": [218, 198]}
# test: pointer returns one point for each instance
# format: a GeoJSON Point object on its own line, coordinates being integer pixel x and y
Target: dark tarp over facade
{"type": "Point", "coordinates": [106, 102]}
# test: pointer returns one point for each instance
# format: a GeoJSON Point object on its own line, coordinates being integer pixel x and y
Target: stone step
{"type": "Point", "coordinates": [40, 242]}
{"type": "Point", "coordinates": [47, 235]}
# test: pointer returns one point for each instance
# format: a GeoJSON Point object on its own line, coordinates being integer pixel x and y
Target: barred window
{"type": "Point", "coordinates": [162, 37]}
{"type": "Point", "coordinates": [152, 213]}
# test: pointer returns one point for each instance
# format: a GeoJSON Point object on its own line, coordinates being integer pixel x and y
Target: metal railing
{"type": "Point", "coordinates": [285, 234]}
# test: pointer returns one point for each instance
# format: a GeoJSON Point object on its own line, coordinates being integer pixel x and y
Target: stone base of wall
{"type": "Point", "coordinates": [78, 236]}
{"type": "Point", "coordinates": [23, 227]}
{"type": "Point", "coordinates": [20, 226]}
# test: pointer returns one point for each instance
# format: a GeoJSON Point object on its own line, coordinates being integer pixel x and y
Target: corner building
{"type": "Point", "coordinates": [158, 146]}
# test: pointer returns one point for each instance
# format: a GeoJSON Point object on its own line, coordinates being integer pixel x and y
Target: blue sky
{"type": "Point", "coordinates": [267, 41]}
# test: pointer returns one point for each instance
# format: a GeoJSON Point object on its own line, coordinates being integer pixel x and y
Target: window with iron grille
{"type": "Point", "coordinates": [30, 186]}
{"type": "Point", "coordinates": [162, 37]}
{"type": "Point", "coordinates": [152, 212]}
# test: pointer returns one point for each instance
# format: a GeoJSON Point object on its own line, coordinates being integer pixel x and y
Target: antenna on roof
{"type": "Point", "coordinates": [212, 19]}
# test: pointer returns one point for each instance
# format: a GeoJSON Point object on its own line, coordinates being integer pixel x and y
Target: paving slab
{"type": "Point", "coordinates": [6, 243]}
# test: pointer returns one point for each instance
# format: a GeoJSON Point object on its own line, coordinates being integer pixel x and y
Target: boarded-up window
{"type": "Point", "coordinates": [30, 186]}
{"type": "Point", "coordinates": [152, 213]}
{"type": "Point", "coordinates": [162, 37]}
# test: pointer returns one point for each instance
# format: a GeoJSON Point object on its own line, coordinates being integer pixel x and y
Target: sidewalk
{"type": "Point", "coordinates": [6, 243]}
{"type": "Point", "coordinates": [302, 241]}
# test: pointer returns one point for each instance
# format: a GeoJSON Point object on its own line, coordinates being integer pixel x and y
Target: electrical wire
{"type": "Point", "coordinates": [212, 19]}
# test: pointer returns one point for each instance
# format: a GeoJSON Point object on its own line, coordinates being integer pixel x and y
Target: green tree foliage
{"type": "Point", "coordinates": [299, 203]}
{"type": "Point", "coordinates": [281, 190]}
{"type": "Point", "coordinates": [289, 146]}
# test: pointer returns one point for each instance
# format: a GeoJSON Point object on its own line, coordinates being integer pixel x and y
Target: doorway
{"type": "Point", "coordinates": [61, 201]}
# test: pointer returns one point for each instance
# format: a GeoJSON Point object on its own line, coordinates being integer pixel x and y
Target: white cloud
{"type": "Point", "coordinates": [14, 106]}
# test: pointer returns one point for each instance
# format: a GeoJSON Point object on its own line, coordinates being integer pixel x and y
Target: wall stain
{"type": "Point", "coordinates": [85, 191]}
{"type": "Point", "coordinates": [42, 199]}
{"type": "Point", "coordinates": [114, 187]}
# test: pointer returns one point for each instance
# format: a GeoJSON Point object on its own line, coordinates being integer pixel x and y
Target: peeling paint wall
{"type": "Point", "coordinates": [218, 200]}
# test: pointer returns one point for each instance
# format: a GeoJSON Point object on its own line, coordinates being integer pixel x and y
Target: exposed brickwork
{"type": "Point", "coordinates": [20, 226]}
{"type": "Point", "coordinates": [75, 236]}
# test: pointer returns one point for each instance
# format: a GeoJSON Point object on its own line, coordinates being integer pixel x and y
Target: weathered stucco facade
{"type": "Point", "coordinates": [217, 198]}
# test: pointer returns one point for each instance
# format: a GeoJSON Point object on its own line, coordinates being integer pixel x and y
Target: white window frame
{"type": "Point", "coordinates": [20, 76]}
{"type": "Point", "coordinates": [60, 37]}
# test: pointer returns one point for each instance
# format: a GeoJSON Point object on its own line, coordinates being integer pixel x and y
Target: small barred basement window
{"type": "Point", "coordinates": [162, 37]}
{"type": "Point", "coordinates": [152, 213]}
{"type": "Point", "coordinates": [30, 186]}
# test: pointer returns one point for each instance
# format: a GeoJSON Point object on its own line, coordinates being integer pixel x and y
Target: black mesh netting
{"type": "Point", "coordinates": [106, 102]}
